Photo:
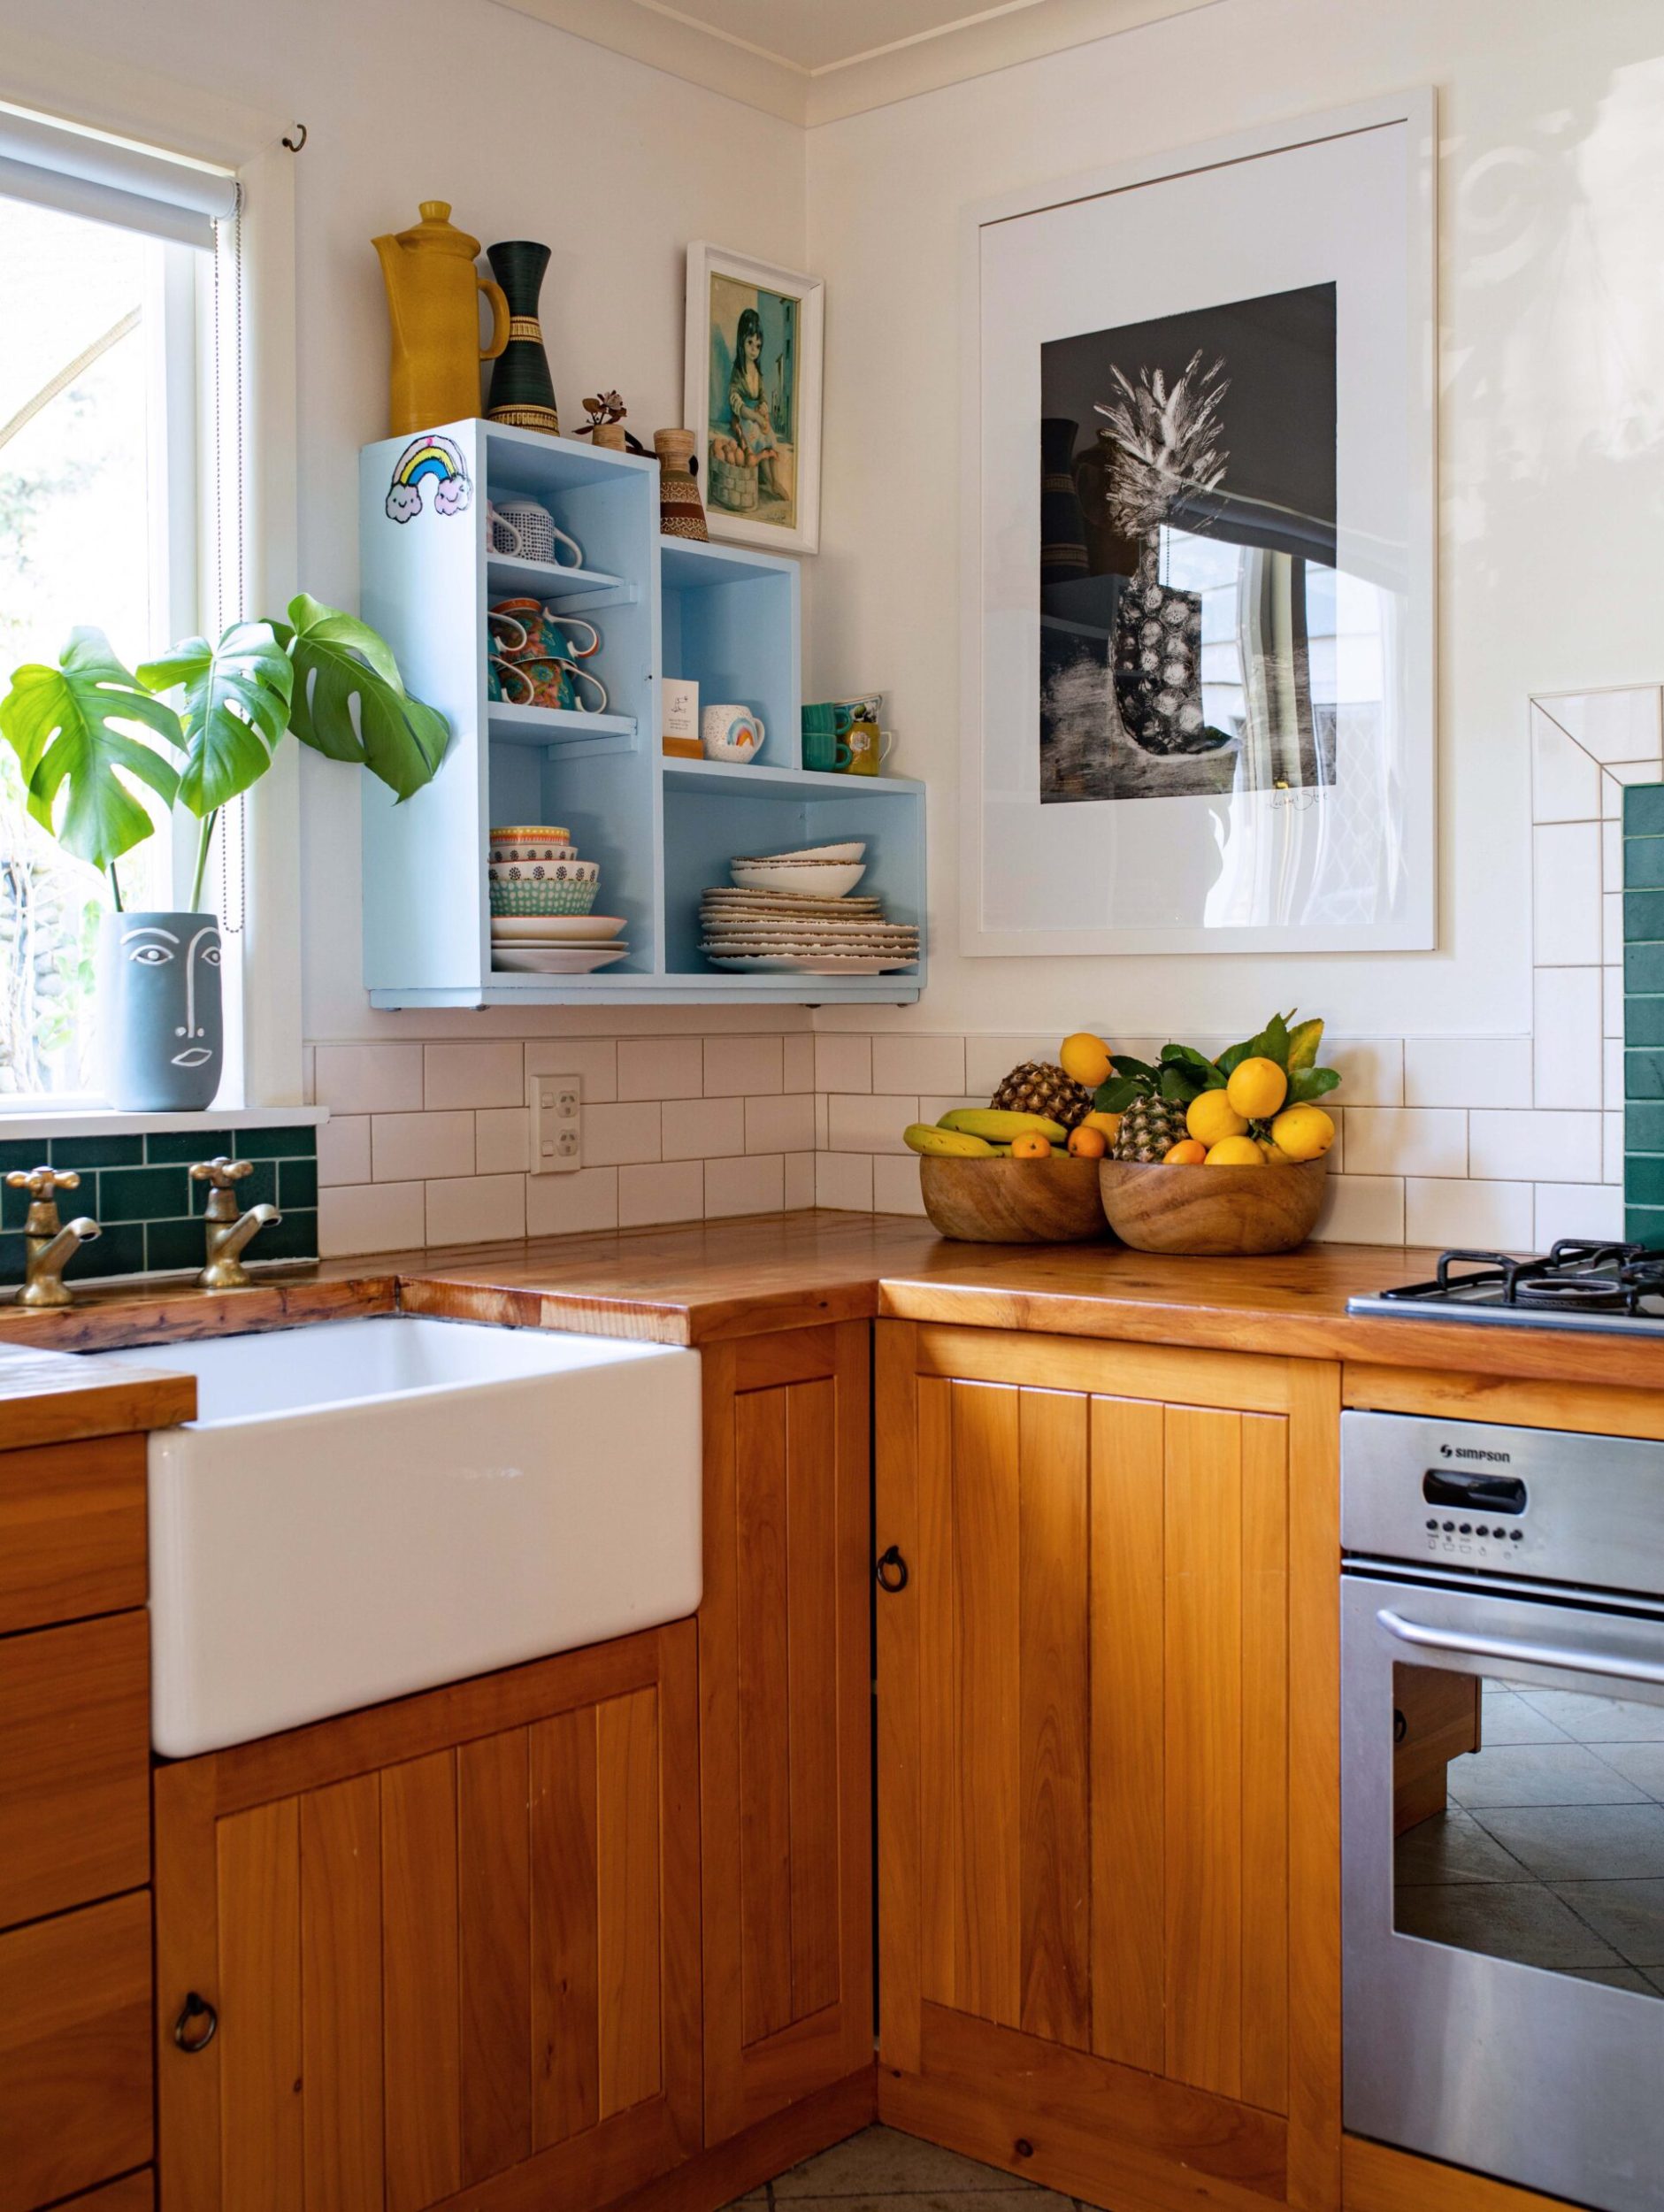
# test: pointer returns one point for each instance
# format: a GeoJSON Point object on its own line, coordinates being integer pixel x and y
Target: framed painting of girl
{"type": "Point", "coordinates": [753, 397]}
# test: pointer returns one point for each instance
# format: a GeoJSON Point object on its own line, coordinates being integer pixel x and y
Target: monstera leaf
{"type": "Point", "coordinates": [236, 708]}
{"type": "Point", "coordinates": [341, 663]}
{"type": "Point", "coordinates": [62, 723]}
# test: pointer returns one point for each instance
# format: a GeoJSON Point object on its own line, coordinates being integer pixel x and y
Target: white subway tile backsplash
{"type": "Point", "coordinates": [1611, 725]}
{"type": "Point", "coordinates": [488, 1074]}
{"type": "Point", "coordinates": [989, 1060]}
{"type": "Point", "coordinates": [755, 1185]}
{"type": "Point", "coordinates": [1612, 929]}
{"type": "Point", "coordinates": [799, 1180]}
{"type": "Point", "coordinates": [1566, 895]}
{"type": "Point", "coordinates": [343, 1150]}
{"type": "Point", "coordinates": [797, 1061]}
{"type": "Point", "coordinates": [1362, 1209]}
{"type": "Point", "coordinates": [1566, 1037]}
{"type": "Point", "coordinates": [371, 1217]}
{"type": "Point", "coordinates": [843, 1063]}
{"type": "Point", "coordinates": [896, 1187]}
{"type": "Point", "coordinates": [1406, 1140]}
{"type": "Point", "coordinates": [737, 1066]}
{"type": "Point", "coordinates": [782, 1124]}
{"type": "Point", "coordinates": [1490, 1216]}
{"type": "Point", "coordinates": [1565, 782]}
{"type": "Point", "coordinates": [476, 1209]}
{"type": "Point", "coordinates": [902, 1063]}
{"type": "Point", "coordinates": [674, 1191]}
{"type": "Point", "coordinates": [702, 1128]}
{"type": "Point", "coordinates": [502, 1140]}
{"type": "Point", "coordinates": [368, 1079]}
{"type": "Point", "coordinates": [1466, 1071]}
{"type": "Point", "coordinates": [1612, 996]}
{"type": "Point", "coordinates": [615, 1136]}
{"type": "Point", "coordinates": [404, 1147]}
{"type": "Point", "coordinates": [869, 1122]}
{"type": "Point", "coordinates": [1611, 1050]}
{"type": "Point", "coordinates": [1562, 1147]}
{"type": "Point", "coordinates": [594, 1061]}
{"type": "Point", "coordinates": [1612, 1148]}
{"type": "Point", "coordinates": [844, 1179]}
{"type": "Point", "coordinates": [1371, 1069]}
{"type": "Point", "coordinates": [1577, 1210]}
{"type": "Point", "coordinates": [661, 1067]}
{"type": "Point", "coordinates": [563, 1205]}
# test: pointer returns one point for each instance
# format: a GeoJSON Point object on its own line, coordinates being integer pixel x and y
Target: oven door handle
{"type": "Point", "coordinates": [1525, 1655]}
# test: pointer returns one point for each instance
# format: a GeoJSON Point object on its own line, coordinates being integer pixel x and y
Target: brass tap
{"type": "Point", "coordinates": [48, 1245]}
{"type": "Point", "coordinates": [229, 1231]}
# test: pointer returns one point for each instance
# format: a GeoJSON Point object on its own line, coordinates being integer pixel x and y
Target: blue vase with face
{"type": "Point", "coordinates": [159, 1017]}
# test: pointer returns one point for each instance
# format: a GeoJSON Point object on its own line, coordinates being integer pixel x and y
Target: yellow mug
{"type": "Point", "coordinates": [870, 747]}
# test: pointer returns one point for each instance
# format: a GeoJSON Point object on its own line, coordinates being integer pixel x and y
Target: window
{"type": "Point", "coordinates": [107, 298]}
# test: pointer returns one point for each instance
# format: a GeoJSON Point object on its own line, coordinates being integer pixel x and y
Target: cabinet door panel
{"type": "Point", "coordinates": [471, 1973]}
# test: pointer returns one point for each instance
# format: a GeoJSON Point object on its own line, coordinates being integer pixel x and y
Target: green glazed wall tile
{"type": "Point", "coordinates": [173, 1244]}
{"type": "Point", "coordinates": [1643, 969]}
{"type": "Point", "coordinates": [1644, 1179]}
{"type": "Point", "coordinates": [183, 1148]}
{"type": "Point", "coordinates": [1644, 810]}
{"type": "Point", "coordinates": [1644, 1225]}
{"type": "Point", "coordinates": [1644, 1075]}
{"type": "Point", "coordinates": [118, 1251]}
{"type": "Point", "coordinates": [21, 1155]}
{"type": "Point", "coordinates": [1643, 1128]}
{"type": "Point", "coordinates": [1644, 1021]}
{"type": "Point", "coordinates": [1642, 916]}
{"type": "Point", "coordinates": [1643, 863]}
{"type": "Point", "coordinates": [294, 1238]}
{"type": "Point", "coordinates": [298, 1182]}
{"type": "Point", "coordinates": [143, 1193]}
{"type": "Point", "coordinates": [277, 1144]}
{"type": "Point", "coordinates": [85, 1152]}
{"type": "Point", "coordinates": [14, 1206]}
{"type": "Point", "coordinates": [10, 1259]}
{"type": "Point", "coordinates": [258, 1188]}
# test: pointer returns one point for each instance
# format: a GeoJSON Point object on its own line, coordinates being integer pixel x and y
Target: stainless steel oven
{"type": "Point", "coordinates": [1502, 1736]}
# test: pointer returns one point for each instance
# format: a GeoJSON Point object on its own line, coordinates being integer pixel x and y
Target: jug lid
{"type": "Point", "coordinates": [436, 234]}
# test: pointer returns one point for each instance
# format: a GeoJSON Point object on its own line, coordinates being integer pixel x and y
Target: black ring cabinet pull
{"type": "Point", "coordinates": [195, 2007]}
{"type": "Point", "coordinates": [890, 1573]}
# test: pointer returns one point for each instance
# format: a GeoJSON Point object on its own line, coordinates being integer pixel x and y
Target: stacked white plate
{"type": "Point", "coordinates": [793, 913]}
{"type": "Point", "coordinates": [556, 944]}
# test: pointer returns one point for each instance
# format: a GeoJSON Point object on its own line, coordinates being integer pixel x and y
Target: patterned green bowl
{"type": "Point", "coordinates": [544, 896]}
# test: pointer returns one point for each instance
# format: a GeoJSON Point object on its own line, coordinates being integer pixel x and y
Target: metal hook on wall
{"type": "Point", "coordinates": [295, 145]}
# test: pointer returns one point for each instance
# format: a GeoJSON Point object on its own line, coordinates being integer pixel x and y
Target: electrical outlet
{"type": "Point", "coordinates": [556, 1103]}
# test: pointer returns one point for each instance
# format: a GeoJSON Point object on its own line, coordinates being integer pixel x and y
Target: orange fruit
{"type": "Point", "coordinates": [1236, 1152]}
{"type": "Point", "coordinates": [1032, 1146]}
{"type": "Point", "coordinates": [1188, 1152]}
{"type": "Point", "coordinates": [1086, 1143]}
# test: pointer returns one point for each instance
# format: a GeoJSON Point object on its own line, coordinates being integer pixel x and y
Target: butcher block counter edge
{"type": "Point", "coordinates": [50, 1398]}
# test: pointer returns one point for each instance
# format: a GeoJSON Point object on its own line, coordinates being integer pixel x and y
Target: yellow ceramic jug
{"type": "Point", "coordinates": [432, 283]}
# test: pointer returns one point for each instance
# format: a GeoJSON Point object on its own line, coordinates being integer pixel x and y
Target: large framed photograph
{"type": "Point", "coordinates": [753, 397]}
{"type": "Point", "coordinates": [1199, 554]}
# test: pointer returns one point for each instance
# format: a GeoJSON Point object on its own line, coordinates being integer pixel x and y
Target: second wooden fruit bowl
{"type": "Point", "coordinates": [1215, 1212]}
{"type": "Point", "coordinates": [1013, 1202]}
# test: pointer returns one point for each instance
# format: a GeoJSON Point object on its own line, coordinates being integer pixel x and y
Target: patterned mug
{"type": "Point", "coordinates": [545, 631]}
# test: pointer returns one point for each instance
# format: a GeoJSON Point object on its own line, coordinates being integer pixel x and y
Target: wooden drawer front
{"type": "Point", "coordinates": [133, 2192]}
{"type": "Point", "coordinates": [71, 1530]}
{"type": "Point", "coordinates": [75, 1765]}
{"type": "Point", "coordinates": [75, 2065]}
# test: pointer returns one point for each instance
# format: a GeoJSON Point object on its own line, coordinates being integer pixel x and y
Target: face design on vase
{"type": "Point", "coordinates": [166, 1002]}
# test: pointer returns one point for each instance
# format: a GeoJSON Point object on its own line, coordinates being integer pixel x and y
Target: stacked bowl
{"type": "Point", "coordinates": [541, 894]}
{"type": "Point", "coordinates": [792, 913]}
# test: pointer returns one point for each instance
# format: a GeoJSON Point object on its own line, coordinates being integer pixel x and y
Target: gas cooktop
{"type": "Point", "coordinates": [1576, 1285]}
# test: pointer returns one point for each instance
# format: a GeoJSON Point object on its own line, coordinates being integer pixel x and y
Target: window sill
{"type": "Point", "coordinates": [104, 1121]}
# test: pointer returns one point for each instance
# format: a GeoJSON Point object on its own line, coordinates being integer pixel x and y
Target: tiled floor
{"type": "Point", "coordinates": [1551, 1851]}
{"type": "Point", "coordinates": [880, 2166]}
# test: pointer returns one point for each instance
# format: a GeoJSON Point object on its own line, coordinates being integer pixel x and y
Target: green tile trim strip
{"type": "Point", "coordinates": [138, 1189]}
{"type": "Point", "coordinates": [1643, 1014]}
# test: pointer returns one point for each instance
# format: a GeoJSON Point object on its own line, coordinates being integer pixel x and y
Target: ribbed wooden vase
{"type": "Point", "coordinates": [681, 510]}
{"type": "Point", "coordinates": [522, 389]}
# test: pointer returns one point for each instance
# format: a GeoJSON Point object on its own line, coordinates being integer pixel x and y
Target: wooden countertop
{"type": "Point", "coordinates": [49, 1398]}
{"type": "Point", "coordinates": [704, 1281]}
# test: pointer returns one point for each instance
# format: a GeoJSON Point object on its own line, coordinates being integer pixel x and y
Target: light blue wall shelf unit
{"type": "Point", "coordinates": [662, 829]}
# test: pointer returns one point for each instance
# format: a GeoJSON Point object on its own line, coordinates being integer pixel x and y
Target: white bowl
{"type": "Point", "coordinates": [853, 851]}
{"type": "Point", "coordinates": [810, 878]}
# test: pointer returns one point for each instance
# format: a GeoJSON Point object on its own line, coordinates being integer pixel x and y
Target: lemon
{"type": "Point", "coordinates": [1235, 1152]}
{"type": "Point", "coordinates": [1213, 1118]}
{"type": "Point", "coordinates": [1085, 1059]}
{"type": "Point", "coordinates": [1257, 1088]}
{"type": "Point", "coordinates": [1304, 1132]}
{"type": "Point", "coordinates": [1186, 1153]}
{"type": "Point", "coordinates": [1273, 1157]}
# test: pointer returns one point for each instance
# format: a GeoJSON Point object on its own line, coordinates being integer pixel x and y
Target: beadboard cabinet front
{"type": "Point", "coordinates": [1091, 1971]}
{"type": "Point", "coordinates": [451, 1946]}
{"type": "Point", "coordinates": [785, 1761]}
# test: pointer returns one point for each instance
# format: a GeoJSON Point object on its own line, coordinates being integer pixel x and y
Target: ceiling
{"type": "Point", "coordinates": [814, 61]}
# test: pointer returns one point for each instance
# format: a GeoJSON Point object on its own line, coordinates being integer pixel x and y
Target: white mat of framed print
{"type": "Point", "coordinates": [1199, 564]}
{"type": "Point", "coordinates": [752, 397]}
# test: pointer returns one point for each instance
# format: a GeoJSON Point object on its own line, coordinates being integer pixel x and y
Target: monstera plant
{"type": "Point", "coordinates": [196, 728]}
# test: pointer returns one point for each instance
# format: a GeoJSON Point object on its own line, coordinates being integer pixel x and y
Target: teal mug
{"type": "Point", "coordinates": [823, 748]}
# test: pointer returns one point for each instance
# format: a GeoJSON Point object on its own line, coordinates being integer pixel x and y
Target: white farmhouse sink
{"type": "Point", "coordinates": [361, 1509]}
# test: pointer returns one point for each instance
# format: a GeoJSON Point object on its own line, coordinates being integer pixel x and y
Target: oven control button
{"type": "Point", "coordinates": [1432, 1525]}
{"type": "Point", "coordinates": [1515, 1535]}
{"type": "Point", "coordinates": [1449, 1527]}
{"type": "Point", "coordinates": [1465, 1529]}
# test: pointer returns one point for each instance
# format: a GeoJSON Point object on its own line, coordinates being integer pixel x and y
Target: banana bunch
{"type": "Point", "coordinates": [971, 1132]}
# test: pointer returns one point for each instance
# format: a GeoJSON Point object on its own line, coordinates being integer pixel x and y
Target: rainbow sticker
{"type": "Point", "coordinates": [424, 457]}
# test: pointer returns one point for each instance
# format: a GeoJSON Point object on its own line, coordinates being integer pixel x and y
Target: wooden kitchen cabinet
{"type": "Point", "coordinates": [1107, 1765]}
{"type": "Point", "coordinates": [786, 1728]}
{"type": "Point", "coordinates": [451, 1946]}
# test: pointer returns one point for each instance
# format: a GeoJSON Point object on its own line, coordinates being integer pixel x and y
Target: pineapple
{"type": "Point", "coordinates": [1150, 1127]}
{"type": "Point", "coordinates": [1040, 1087]}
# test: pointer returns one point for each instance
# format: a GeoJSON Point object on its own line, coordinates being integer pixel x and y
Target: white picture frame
{"type": "Point", "coordinates": [759, 495]}
{"type": "Point", "coordinates": [1340, 203]}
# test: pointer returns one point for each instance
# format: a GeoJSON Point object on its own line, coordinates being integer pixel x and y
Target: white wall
{"type": "Point", "coordinates": [1551, 437]}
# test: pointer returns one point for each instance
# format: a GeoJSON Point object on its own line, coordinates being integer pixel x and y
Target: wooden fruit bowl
{"type": "Point", "coordinates": [1221, 1212]}
{"type": "Point", "coordinates": [1013, 1202]}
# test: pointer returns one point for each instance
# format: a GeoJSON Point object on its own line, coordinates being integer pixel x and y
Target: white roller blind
{"type": "Point", "coordinates": [109, 182]}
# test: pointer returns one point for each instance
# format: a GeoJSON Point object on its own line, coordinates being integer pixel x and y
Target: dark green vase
{"type": "Point", "coordinates": [522, 389]}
